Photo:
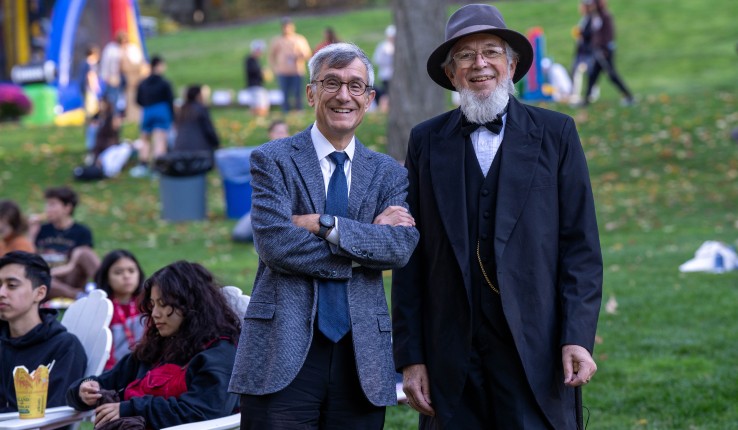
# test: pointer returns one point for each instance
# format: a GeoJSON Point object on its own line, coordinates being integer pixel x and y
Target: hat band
{"type": "Point", "coordinates": [474, 29]}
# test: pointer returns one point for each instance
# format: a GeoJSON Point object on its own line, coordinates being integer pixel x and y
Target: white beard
{"type": "Point", "coordinates": [479, 109]}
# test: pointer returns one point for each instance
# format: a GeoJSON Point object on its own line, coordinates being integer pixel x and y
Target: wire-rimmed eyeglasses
{"type": "Point", "coordinates": [333, 85]}
{"type": "Point", "coordinates": [466, 58]}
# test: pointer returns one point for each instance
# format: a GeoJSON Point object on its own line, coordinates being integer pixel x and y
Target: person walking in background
{"type": "Point", "coordinates": [179, 371]}
{"type": "Point", "coordinates": [603, 50]}
{"type": "Point", "coordinates": [494, 317]}
{"type": "Point", "coordinates": [328, 216]}
{"type": "Point", "coordinates": [195, 129]}
{"type": "Point", "coordinates": [255, 78]}
{"type": "Point", "coordinates": [66, 245]}
{"type": "Point", "coordinates": [583, 58]}
{"type": "Point", "coordinates": [384, 59]}
{"type": "Point", "coordinates": [30, 336]}
{"type": "Point", "coordinates": [156, 97]}
{"type": "Point", "coordinates": [133, 67]}
{"type": "Point", "coordinates": [111, 74]}
{"type": "Point", "coordinates": [90, 90]}
{"type": "Point", "coordinates": [13, 229]}
{"type": "Point", "coordinates": [287, 57]}
{"type": "Point", "coordinates": [122, 278]}
{"type": "Point", "coordinates": [329, 36]}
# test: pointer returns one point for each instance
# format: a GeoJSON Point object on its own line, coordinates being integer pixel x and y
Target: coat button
{"type": "Point", "coordinates": [485, 192]}
{"type": "Point", "coordinates": [486, 214]}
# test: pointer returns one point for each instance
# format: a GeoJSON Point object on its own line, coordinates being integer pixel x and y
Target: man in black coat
{"type": "Point", "coordinates": [495, 314]}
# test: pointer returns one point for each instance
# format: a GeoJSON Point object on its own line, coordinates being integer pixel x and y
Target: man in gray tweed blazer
{"type": "Point", "coordinates": [329, 215]}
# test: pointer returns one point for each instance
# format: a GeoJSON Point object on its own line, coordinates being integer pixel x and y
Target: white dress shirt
{"type": "Point", "coordinates": [324, 148]}
{"type": "Point", "coordinates": [486, 144]}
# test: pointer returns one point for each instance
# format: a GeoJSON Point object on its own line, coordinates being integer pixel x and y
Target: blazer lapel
{"type": "Point", "coordinates": [306, 160]}
{"type": "Point", "coordinates": [522, 146]}
{"type": "Point", "coordinates": [447, 175]}
{"type": "Point", "coordinates": [362, 171]}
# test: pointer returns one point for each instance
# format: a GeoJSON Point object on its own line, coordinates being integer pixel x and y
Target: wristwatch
{"type": "Point", "coordinates": [327, 222]}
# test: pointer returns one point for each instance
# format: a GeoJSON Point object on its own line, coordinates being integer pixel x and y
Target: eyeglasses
{"type": "Point", "coordinates": [467, 58]}
{"type": "Point", "coordinates": [355, 87]}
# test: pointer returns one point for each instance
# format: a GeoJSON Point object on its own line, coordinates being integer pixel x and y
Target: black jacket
{"type": "Point", "coordinates": [206, 398]}
{"type": "Point", "coordinates": [47, 342]}
{"type": "Point", "coordinates": [547, 254]}
{"type": "Point", "coordinates": [155, 89]}
{"type": "Point", "coordinates": [195, 130]}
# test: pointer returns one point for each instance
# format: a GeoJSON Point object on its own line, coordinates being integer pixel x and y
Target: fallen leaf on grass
{"type": "Point", "coordinates": [611, 307]}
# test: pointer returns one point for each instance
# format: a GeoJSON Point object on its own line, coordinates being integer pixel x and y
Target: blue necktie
{"type": "Point", "coordinates": [333, 314]}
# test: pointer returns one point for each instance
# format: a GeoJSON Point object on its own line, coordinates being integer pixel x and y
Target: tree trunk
{"type": "Point", "coordinates": [414, 97]}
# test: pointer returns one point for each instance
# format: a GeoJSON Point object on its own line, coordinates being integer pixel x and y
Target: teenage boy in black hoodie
{"type": "Point", "coordinates": [30, 336]}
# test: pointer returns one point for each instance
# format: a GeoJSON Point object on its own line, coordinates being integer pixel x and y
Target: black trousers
{"type": "Point", "coordinates": [605, 60]}
{"type": "Point", "coordinates": [326, 394]}
{"type": "Point", "coordinates": [496, 394]}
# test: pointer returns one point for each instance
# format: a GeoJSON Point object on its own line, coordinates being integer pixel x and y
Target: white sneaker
{"type": "Point", "coordinates": [140, 171]}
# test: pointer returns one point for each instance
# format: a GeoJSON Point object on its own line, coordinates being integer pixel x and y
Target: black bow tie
{"type": "Point", "coordinates": [495, 126]}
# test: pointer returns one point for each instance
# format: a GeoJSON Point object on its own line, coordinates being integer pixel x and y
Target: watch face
{"type": "Point", "coordinates": [327, 220]}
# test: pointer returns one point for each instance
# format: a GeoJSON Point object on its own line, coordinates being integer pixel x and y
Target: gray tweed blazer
{"type": "Point", "coordinates": [278, 326]}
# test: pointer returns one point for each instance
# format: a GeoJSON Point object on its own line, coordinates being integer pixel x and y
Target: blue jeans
{"type": "Point", "coordinates": [291, 86]}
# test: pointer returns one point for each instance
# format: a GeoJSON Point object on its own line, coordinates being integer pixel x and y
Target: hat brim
{"type": "Point", "coordinates": [517, 41]}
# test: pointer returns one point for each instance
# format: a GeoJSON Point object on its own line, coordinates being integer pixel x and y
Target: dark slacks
{"type": "Point", "coordinates": [326, 394]}
{"type": "Point", "coordinates": [496, 394]}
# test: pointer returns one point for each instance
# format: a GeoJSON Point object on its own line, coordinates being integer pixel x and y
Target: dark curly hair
{"type": "Point", "coordinates": [102, 275]}
{"type": "Point", "coordinates": [190, 289]}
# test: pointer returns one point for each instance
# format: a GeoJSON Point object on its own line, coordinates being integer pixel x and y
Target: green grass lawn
{"type": "Point", "coordinates": [664, 174]}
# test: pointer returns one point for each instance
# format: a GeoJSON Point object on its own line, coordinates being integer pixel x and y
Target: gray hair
{"type": "Point", "coordinates": [338, 56]}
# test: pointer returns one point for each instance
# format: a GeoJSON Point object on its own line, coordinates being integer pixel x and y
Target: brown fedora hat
{"type": "Point", "coordinates": [473, 19]}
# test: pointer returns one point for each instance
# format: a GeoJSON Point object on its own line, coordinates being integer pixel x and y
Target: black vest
{"type": "Point", "coordinates": [481, 206]}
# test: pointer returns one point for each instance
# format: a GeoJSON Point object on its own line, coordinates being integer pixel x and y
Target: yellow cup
{"type": "Point", "coordinates": [31, 391]}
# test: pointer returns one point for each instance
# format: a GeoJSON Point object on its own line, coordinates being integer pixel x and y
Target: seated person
{"type": "Point", "coordinates": [13, 229]}
{"type": "Point", "coordinates": [30, 336]}
{"type": "Point", "coordinates": [66, 245]}
{"type": "Point", "coordinates": [189, 342]}
{"type": "Point", "coordinates": [121, 277]}
{"type": "Point", "coordinates": [278, 129]}
{"type": "Point", "coordinates": [195, 129]}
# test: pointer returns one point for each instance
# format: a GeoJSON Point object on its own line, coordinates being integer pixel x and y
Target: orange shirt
{"type": "Point", "coordinates": [16, 243]}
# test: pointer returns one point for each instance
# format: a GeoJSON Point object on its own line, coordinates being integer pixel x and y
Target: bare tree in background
{"type": "Point", "coordinates": [414, 97]}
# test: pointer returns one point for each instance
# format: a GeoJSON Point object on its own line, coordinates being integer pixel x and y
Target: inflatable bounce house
{"type": "Point", "coordinates": [534, 85]}
{"type": "Point", "coordinates": [47, 62]}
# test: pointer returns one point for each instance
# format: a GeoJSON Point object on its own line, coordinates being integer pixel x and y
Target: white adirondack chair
{"type": "Point", "coordinates": [88, 319]}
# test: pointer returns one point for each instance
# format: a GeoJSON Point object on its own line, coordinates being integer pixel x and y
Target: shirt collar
{"type": "Point", "coordinates": [323, 147]}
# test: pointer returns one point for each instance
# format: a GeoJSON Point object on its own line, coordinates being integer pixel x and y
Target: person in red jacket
{"type": "Point", "coordinates": [178, 373]}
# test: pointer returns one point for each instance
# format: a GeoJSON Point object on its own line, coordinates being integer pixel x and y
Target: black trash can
{"type": "Point", "coordinates": [183, 184]}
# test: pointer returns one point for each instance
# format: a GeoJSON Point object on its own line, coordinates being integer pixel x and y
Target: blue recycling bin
{"type": "Point", "coordinates": [234, 167]}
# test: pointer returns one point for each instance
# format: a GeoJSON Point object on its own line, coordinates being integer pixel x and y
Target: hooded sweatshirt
{"type": "Point", "coordinates": [47, 342]}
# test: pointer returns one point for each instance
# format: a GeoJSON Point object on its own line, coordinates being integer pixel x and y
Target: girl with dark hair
{"type": "Point", "coordinates": [13, 229]}
{"type": "Point", "coordinates": [195, 130]}
{"type": "Point", "coordinates": [121, 277]}
{"type": "Point", "coordinates": [178, 373]}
